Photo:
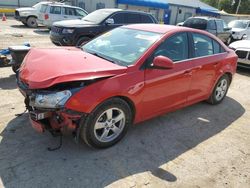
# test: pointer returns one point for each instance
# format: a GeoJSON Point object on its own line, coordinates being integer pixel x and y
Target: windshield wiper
{"type": "Point", "coordinates": [106, 58]}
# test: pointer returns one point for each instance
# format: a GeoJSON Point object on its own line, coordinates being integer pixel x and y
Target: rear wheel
{"type": "Point", "coordinates": [107, 124]}
{"type": "Point", "coordinates": [31, 22]}
{"type": "Point", "coordinates": [220, 90]}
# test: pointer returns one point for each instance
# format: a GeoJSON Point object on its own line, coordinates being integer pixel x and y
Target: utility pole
{"type": "Point", "coordinates": [18, 3]}
{"type": "Point", "coordinates": [238, 6]}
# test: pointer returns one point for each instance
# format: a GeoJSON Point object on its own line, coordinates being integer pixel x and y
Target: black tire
{"type": "Point", "coordinates": [82, 40]}
{"type": "Point", "coordinates": [89, 133]}
{"type": "Point", "coordinates": [24, 23]}
{"type": "Point", "coordinates": [31, 22]}
{"type": "Point", "coordinates": [15, 68]}
{"type": "Point", "coordinates": [216, 97]}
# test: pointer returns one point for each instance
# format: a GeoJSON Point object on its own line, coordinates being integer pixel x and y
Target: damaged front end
{"type": "Point", "coordinates": [46, 107]}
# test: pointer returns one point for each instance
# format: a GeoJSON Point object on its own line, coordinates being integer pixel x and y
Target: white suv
{"type": "Point", "coordinates": [50, 13]}
{"type": "Point", "coordinates": [28, 15]}
{"type": "Point", "coordinates": [240, 29]}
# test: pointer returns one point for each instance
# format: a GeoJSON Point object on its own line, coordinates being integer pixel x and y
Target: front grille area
{"type": "Point", "coordinates": [241, 54]}
{"type": "Point", "coordinates": [56, 29]}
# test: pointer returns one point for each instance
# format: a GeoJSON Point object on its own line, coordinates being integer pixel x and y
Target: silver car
{"type": "Point", "coordinates": [50, 13]}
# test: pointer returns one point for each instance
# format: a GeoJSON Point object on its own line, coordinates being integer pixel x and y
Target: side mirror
{"type": "Point", "coordinates": [109, 21]}
{"type": "Point", "coordinates": [162, 62]}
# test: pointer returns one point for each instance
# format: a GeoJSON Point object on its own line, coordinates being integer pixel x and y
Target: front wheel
{"type": "Point", "coordinates": [107, 124]}
{"type": "Point", "coordinates": [31, 22]}
{"type": "Point", "coordinates": [81, 41]}
{"type": "Point", "coordinates": [220, 90]}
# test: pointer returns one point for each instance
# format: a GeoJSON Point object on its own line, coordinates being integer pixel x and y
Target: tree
{"type": "Point", "coordinates": [230, 6]}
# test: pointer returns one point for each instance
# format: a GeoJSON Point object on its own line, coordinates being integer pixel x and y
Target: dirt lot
{"type": "Point", "coordinates": [199, 146]}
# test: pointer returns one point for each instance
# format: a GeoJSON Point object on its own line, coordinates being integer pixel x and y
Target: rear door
{"type": "Point", "coordinates": [55, 14]}
{"type": "Point", "coordinates": [208, 56]}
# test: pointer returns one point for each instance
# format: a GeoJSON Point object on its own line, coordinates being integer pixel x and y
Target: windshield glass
{"type": "Point", "coordinates": [97, 16]}
{"type": "Point", "coordinates": [122, 46]}
{"type": "Point", "coordinates": [197, 23]}
{"type": "Point", "coordinates": [37, 6]}
{"type": "Point", "coordinates": [238, 24]}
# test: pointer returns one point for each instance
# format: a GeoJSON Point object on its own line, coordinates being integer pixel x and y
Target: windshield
{"type": "Point", "coordinates": [242, 24]}
{"type": "Point", "coordinates": [37, 6]}
{"type": "Point", "coordinates": [197, 23]}
{"type": "Point", "coordinates": [122, 46]}
{"type": "Point", "coordinates": [97, 16]}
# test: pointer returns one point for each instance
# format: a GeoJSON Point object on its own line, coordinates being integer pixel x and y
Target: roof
{"type": "Point", "coordinates": [146, 3]}
{"type": "Point", "coordinates": [157, 28]}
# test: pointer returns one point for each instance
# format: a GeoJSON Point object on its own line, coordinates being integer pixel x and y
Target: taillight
{"type": "Point", "coordinates": [46, 16]}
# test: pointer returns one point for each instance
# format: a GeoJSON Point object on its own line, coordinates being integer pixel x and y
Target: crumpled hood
{"type": "Point", "coordinates": [238, 30]}
{"type": "Point", "coordinates": [73, 23]}
{"type": "Point", "coordinates": [43, 68]}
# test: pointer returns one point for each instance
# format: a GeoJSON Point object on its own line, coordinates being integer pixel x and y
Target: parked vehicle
{"type": "Point", "coordinates": [213, 25]}
{"type": "Point", "coordinates": [77, 32]}
{"type": "Point", "coordinates": [50, 13]}
{"type": "Point", "coordinates": [240, 29]}
{"type": "Point", "coordinates": [28, 15]}
{"type": "Point", "coordinates": [242, 49]}
{"type": "Point", "coordinates": [17, 55]}
{"type": "Point", "coordinates": [125, 76]}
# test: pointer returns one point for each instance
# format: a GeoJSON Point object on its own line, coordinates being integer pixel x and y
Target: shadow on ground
{"type": "Point", "coordinates": [42, 31]}
{"type": "Point", "coordinates": [8, 82]}
{"type": "Point", "coordinates": [243, 71]}
{"type": "Point", "coordinates": [21, 26]}
{"type": "Point", "coordinates": [25, 161]}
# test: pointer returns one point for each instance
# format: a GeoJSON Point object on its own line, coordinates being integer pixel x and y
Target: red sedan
{"type": "Point", "coordinates": [125, 76]}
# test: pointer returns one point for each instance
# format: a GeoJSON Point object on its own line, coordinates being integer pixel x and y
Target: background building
{"type": "Point", "coordinates": [166, 11]}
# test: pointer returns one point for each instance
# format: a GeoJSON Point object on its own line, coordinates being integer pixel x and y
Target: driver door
{"type": "Point", "coordinates": [167, 89]}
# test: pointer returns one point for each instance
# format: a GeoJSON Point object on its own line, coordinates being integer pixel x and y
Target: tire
{"type": "Point", "coordinates": [220, 90]}
{"type": "Point", "coordinates": [31, 22]}
{"type": "Point", "coordinates": [82, 40]}
{"type": "Point", "coordinates": [99, 130]}
{"type": "Point", "coordinates": [24, 23]}
{"type": "Point", "coordinates": [15, 68]}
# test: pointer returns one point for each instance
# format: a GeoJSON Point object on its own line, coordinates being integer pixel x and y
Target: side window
{"type": "Point", "coordinates": [80, 12]}
{"type": "Point", "coordinates": [55, 10]}
{"type": "Point", "coordinates": [217, 47]}
{"type": "Point", "coordinates": [146, 19]}
{"type": "Point", "coordinates": [203, 45]}
{"type": "Point", "coordinates": [43, 8]}
{"type": "Point", "coordinates": [100, 5]}
{"type": "Point", "coordinates": [220, 25]}
{"type": "Point", "coordinates": [132, 18]}
{"type": "Point", "coordinates": [211, 25]}
{"type": "Point", "coordinates": [68, 11]}
{"type": "Point", "coordinates": [118, 18]}
{"type": "Point", "coordinates": [175, 47]}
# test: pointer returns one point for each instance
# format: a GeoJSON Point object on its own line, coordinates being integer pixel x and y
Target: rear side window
{"type": "Point", "coordinates": [196, 23]}
{"type": "Point", "coordinates": [55, 10]}
{"type": "Point", "coordinates": [217, 47]}
{"type": "Point", "coordinates": [175, 47]}
{"type": "Point", "coordinates": [220, 26]}
{"type": "Point", "coordinates": [43, 8]}
{"type": "Point", "coordinates": [203, 45]}
{"type": "Point", "coordinates": [211, 25]}
{"type": "Point", "coordinates": [132, 18]}
{"type": "Point", "coordinates": [146, 19]}
{"type": "Point", "coordinates": [68, 11]}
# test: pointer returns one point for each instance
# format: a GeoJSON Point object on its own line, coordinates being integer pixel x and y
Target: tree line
{"type": "Point", "coordinates": [230, 6]}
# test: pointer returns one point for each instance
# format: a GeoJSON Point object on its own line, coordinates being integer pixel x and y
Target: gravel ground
{"type": "Point", "coordinates": [198, 146]}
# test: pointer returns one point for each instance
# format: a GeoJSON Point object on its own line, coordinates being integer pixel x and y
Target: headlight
{"type": "Point", "coordinates": [65, 31]}
{"type": "Point", "coordinates": [52, 100]}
